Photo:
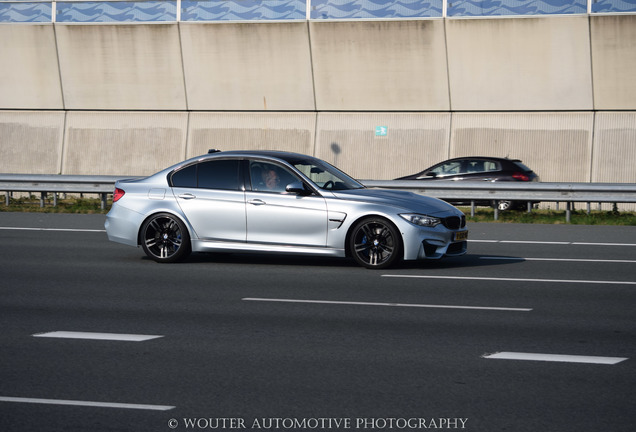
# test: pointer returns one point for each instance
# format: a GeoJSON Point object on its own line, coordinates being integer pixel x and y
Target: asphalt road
{"type": "Point", "coordinates": [239, 342]}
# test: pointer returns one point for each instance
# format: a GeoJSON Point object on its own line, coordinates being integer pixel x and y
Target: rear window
{"type": "Point", "coordinates": [217, 174]}
{"type": "Point", "coordinates": [185, 177]}
{"type": "Point", "coordinates": [221, 174]}
{"type": "Point", "coordinates": [522, 166]}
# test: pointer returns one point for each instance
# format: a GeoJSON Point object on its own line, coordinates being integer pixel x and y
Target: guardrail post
{"type": "Point", "coordinates": [496, 212]}
{"type": "Point", "coordinates": [42, 198]}
{"type": "Point", "coordinates": [103, 195]}
{"type": "Point", "coordinates": [7, 198]}
{"type": "Point", "coordinates": [568, 212]}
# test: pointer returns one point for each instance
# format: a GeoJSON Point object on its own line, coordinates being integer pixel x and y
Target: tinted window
{"type": "Point", "coordinates": [268, 177]}
{"type": "Point", "coordinates": [448, 168]}
{"type": "Point", "coordinates": [219, 174]}
{"type": "Point", "coordinates": [185, 177]}
{"type": "Point", "coordinates": [522, 166]}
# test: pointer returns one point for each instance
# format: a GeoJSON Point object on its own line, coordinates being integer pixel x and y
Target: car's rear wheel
{"type": "Point", "coordinates": [375, 243]}
{"type": "Point", "coordinates": [165, 238]}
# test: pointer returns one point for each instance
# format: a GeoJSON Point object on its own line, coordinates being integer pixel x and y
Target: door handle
{"type": "Point", "coordinates": [256, 202]}
{"type": "Point", "coordinates": [187, 196]}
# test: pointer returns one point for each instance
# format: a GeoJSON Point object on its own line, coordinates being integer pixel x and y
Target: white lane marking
{"type": "Point", "coordinates": [551, 242]}
{"type": "Point", "coordinates": [387, 304]}
{"type": "Point", "coordinates": [97, 336]}
{"type": "Point", "coordinates": [555, 358]}
{"type": "Point", "coordinates": [535, 242]}
{"type": "Point", "coordinates": [51, 229]}
{"type": "Point", "coordinates": [514, 279]}
{"type": "Point", "coordinates": [555, 259]}
{"type": "Point", "coordinates": [602, 244]}
{"type": "Point", "coordinates": [86, 403]}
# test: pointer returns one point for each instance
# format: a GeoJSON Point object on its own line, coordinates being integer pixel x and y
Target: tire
{"type": "Point", "coordinates": [375, 243]}
{"type": "Point", "coordinates": [164, 238]}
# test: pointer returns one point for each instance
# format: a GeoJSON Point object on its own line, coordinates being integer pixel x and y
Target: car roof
{"type": "Point", "coordinates": [501, 159]}
{"type": "Point", "coordinates": [277, 154]}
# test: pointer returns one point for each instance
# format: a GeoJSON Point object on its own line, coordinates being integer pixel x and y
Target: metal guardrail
{"type": "Point", "coordinates": [44, 184]}
{"type": "Point", "coordinates": [530, 192]}
{"type": "Point", "coordinates": [469, 191]}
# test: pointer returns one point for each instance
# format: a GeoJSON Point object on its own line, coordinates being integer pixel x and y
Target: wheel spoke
{"type": "Point", "coordinates": [368, 232]}
{"type": "Point", "coordinates": [155, 225]}
{"type": "Point", "coordinates": [361, 247]}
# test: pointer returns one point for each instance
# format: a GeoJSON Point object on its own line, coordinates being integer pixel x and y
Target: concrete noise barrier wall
{"type": "Point", "coordinates": [378, 98]}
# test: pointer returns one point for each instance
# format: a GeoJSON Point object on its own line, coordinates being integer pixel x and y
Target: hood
{"type": "Point", "coordinates": [408, 201]}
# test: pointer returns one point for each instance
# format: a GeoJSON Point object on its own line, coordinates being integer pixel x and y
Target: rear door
{"type": "Point", "coordinates": [212, 198]}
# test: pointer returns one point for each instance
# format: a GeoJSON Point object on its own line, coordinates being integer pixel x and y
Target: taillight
{"type": "Point", "coordinates": [118, 194]}
{"type": "Point", "coordinates": [520, 176]}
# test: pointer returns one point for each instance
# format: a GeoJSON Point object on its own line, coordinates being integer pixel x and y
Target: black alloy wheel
{"type": "Point", "coordinates": [165, 238]}
{"type": "Point", "coordinates": [375, 243]}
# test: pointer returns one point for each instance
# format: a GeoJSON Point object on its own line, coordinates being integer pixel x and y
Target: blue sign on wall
{"type": "Point", "coordinates": [381, 130]}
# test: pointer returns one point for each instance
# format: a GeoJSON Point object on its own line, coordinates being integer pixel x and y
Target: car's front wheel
{"type": "Point", "coordinates": [164, 238]}
{"type": "Point", "coordinates": [375, 243]}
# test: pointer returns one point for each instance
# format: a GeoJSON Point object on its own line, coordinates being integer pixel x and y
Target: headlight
{"type": "Point", "coordinates": [422, 220]}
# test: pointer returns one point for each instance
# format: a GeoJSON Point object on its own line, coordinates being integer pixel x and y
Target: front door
{"type": "Point", "coordinates": [277, 217]}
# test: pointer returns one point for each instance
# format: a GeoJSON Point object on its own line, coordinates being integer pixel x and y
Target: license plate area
{"type": "Point", "coordinates": [460, 236]}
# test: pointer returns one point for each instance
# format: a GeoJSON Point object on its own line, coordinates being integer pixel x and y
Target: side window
{"type": "Point", "coordinates": [449, 168]}
{"type": "Point", "coordinates": [491, 166]}
{"type": "Point", "coordinates": [185, 177]}
{"type": "Point", "coordinates": [267, 177]}
{"type": "Point", "coordinates": [219, 174]}
{"type": "Point", "coordinates": [475, 166]}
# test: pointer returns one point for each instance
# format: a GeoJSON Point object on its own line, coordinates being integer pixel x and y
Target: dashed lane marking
{"type": "Point", "coordinates": [582, 281]}
{"type": "Point", "coordinates": [86, 403]}
{"type": "Point", "coordinates": [555, 358]}
{"type": "Point", "coordinates": [97, 336]}
{"type": "Point", "coordinates": [388, 304]}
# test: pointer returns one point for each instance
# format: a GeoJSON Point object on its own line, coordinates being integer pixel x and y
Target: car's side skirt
{"type": "Point", "coordinates": [220, 246]}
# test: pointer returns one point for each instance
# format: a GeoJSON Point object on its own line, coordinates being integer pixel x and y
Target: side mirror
{"type": "Point", "coordinates": [297, 188]}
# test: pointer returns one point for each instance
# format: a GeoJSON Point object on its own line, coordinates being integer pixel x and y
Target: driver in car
{"type": "Point", "coordinates": [271, 179]}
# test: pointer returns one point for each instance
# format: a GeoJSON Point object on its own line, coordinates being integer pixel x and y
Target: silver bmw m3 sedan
{"type": "Point", "coordinates": [279, 202]}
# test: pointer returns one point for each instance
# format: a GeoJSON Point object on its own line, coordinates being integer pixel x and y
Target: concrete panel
{"type": "Point", "coordinates": [120, 66]}
{"type": "Point", "coordinates": [557, 146]}
{"type": "Point", "coordinates": [123, 143]}
{"type": "Point", "coordinates": [251, 131]}
{"type": "Point", "coordinates": [614, 148]}
{"type": "Point", "coordinates": [29, 73]}
{"type": "Point", "coordinates": [247, 66]}
{"type": "Point", "coordinates": [380, 65]}
{"type": "Point", "coordinates": [31, 141]}
{"type": "Point", "coordinates": [614, 61]}
{"type": "Point", "coordinates": [412, 142]}
{"type": "Point", "coordinates": [520, 64]}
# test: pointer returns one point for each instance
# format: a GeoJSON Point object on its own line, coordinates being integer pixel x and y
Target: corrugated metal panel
{"type": "Point", "coordinates": [614, 148]}
{"type": "Point", "coordinates": [251, 131]}
{"type": "Point", "coordinates": [356, 142]}
{"type": "Point", "coordinates": [31, 141]}
{"type": "Point", "coordinates": [123, 143]}
{"type": "Point", "coordinates": [556, 145]}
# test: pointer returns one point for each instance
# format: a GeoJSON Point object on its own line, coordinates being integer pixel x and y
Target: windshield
{"type": "Point", "coordinates": [325, 176]}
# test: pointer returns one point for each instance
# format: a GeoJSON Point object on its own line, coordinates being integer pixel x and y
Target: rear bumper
{"type": "Point", "coordinates": [122, 225]}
